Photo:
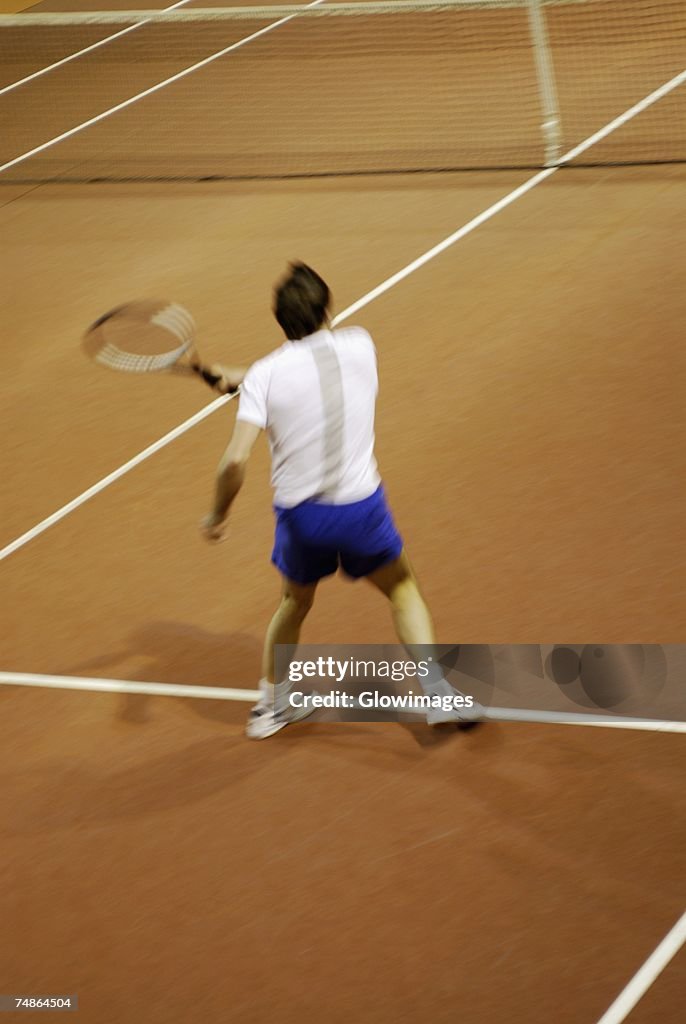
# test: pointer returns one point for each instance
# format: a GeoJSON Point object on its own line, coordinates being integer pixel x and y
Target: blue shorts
{"type": "Point", "coordinates": [312, 540]}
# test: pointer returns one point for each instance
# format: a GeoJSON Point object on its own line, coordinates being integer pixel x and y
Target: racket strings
{"type": "Point", "coordinates": [144, 327]}
{"type": "Point", "coordinates": [117, 359]}
{"type": "Point", "coordinates": [177, 320]}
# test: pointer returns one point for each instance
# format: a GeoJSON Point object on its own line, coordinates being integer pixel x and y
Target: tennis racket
{"type": "Point", "coordinates": [149, 336]}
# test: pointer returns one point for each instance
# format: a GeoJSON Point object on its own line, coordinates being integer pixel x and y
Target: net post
{"type": "Point", "coordinates": [545, 73]}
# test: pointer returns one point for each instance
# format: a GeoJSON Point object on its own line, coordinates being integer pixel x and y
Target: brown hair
{"type": "Point", "coordinates": [301, 302]}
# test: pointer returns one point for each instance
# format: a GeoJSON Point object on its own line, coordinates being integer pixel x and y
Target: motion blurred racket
{"type": "Point", "coordinates": [149, 336]}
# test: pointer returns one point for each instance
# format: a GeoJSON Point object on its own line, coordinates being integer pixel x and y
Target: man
{"type": "Point", "coordinates": [315, 396]}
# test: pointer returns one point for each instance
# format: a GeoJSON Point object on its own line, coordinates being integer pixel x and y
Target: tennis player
{"type": "Point", "coordinates": [315, 397]}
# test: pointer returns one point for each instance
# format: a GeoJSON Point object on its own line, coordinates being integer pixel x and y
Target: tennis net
{"type": "Point", "coordinates": [329, 89]}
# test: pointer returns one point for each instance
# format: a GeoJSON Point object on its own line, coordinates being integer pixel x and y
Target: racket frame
{"type": "Point", "coordinates": [171, 317]}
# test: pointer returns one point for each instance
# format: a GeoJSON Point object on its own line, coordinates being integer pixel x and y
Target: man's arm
{"type": "Point", "coordinates": [230, 476]}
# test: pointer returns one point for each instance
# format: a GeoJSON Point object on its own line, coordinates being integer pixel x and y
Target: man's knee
{"type": "Point", "coordinates": [298, 600]}
{"type": "Point", "coordinates": [299, 605]}
{"type": "Point", "coordinates": [404, 592]}
{"type": "Point", "coordinates": [395, 579]}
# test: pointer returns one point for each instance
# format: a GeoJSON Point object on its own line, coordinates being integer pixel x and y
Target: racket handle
{"type": "Point", "coordinates": [212, 379]}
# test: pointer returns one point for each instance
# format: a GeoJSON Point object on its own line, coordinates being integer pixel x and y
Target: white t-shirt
{"type": "Point", "coordinates": [316, 399]}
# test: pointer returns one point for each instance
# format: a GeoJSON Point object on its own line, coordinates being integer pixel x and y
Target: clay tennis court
{"type": "Point", "coordinates": [530, 433]}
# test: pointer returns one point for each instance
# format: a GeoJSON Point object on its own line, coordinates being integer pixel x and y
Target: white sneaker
{"type": "Point", "coordinates": [458, 715]}
{"type": "Point", "coordinates": [264, 720]}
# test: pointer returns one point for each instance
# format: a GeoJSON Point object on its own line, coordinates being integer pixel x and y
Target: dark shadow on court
{"type": "Point", "coordinates": [383, 745]}
{"type": "Point", "coordinates": [481, 734]}
{"type": "Point", "coordinates": [186, 655]}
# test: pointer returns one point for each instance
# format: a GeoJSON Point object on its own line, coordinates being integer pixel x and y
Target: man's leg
{"type": "Point", "coordinates": [270, 714]}
{"type": "Point", "coordinates": [415, 629]}
{"type": "Point", "coordinates": [411, 616]}
{"type": "Point", "coordinates": [284, 628]}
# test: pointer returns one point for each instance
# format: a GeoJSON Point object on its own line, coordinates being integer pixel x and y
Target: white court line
{"type": "Point", "coordinates": [647, 975]}
{"type": "Point", "coordinates": [36, 531]}
{"type": "Point", "coordinates": [33, 679]}
{"type": "Point", "coordinates": [580, 718]}
{"type": "Point", "coordinates": [466, 229]}
{"type": "Point", "coordinates": [153, 88]}
{"type": "Point", "coordinates": [126, 686]}
{"type": "Point", "coordinates": [86, 49]}
{"type": "Point", "coordinates": [602, 133]}
{"type": "Point", "coordinates": [481, 218]}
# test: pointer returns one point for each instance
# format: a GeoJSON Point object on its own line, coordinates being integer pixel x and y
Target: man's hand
{"type": "Point", "coordinates": [230, 377]}
{"type": "Point", "coordinates": [213, 527]}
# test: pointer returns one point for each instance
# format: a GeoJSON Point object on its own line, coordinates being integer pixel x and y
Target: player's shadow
{"type": "Point", "coordinates": [480, 735]}
{"type": "Point", "coordinates": [180, 653]}
{"type": "Point", "coordinates": [373, 747]}
{"type": "Point", "coordinates": [176, 652]}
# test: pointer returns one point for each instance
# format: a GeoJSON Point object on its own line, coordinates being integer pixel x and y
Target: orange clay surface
{"type": "Point", "coordinates": [531, 437]}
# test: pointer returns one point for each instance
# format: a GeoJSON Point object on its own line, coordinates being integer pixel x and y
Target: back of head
{"type": "Point", "coordinates": [301, 302]}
